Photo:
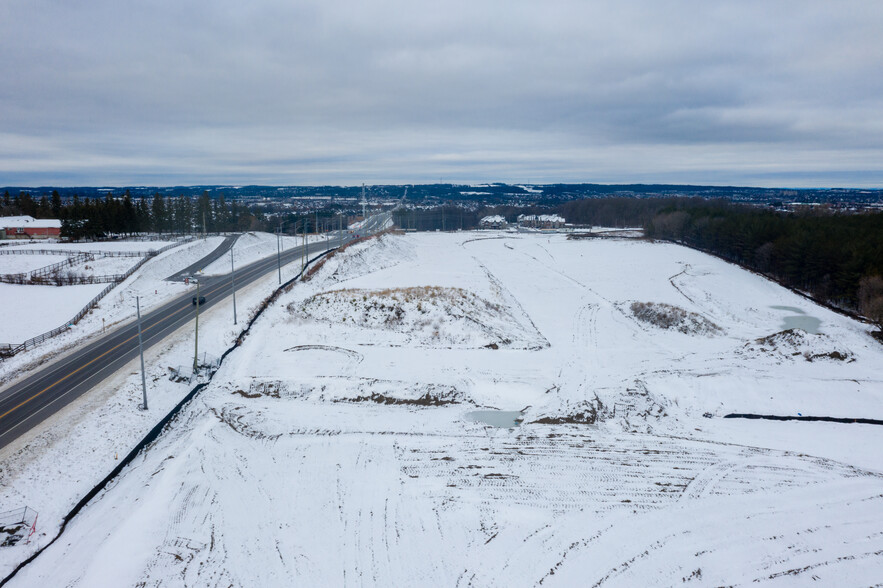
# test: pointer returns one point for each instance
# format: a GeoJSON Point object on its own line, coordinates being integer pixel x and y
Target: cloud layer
{"type": "Point", "coordinates": [341, 91]}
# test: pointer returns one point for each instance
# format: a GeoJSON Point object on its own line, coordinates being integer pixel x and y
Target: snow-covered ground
{"type": "Point", "coordinates": [49, 307]}
{"type": "Point", "coordinates": [103, 266]}
{"type": "Point", "coordinates": [22, 319]}
{"type": "Point", "coordinates": [335, 447]}
{"type": "Point", "coordinates": [251, 247]}
{"type": "Point", "coordinates": [61, 459]}
{"type": "Point", "coordinates": [109, 246]}
{"type": "Point", "coordinates": [19, 264]}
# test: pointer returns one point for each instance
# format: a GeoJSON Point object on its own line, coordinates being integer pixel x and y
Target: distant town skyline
{"type": "Point", "coordinates": [786, 94]}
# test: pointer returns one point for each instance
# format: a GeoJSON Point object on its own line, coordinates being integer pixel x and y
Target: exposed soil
{"type": "Point", "coordinates": [245, 394]}
{"type": "Point", "coordinates": [425, 400]}
{"type": "Point", "coordinates": [796, 343]}
{"type": "Point", "coordinates": [673, 318]}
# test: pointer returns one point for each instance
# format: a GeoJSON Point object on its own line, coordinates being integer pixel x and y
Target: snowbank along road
{"type": "Point", "coordinates": [33, 399]}
{"type": "Point", "coordinates": [339, 446]}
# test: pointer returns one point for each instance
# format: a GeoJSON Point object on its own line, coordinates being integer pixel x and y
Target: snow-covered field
{"type": "Point", "coordinates": [19, 264]}
{"type": "Point", "coordinates": [335, 447]}
{"type": "Point", "coordinates": [51, 307]}
{"type": "Point", "coordinates": [109, 246]}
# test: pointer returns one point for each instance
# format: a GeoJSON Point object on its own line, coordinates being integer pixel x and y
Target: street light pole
{"type": "Point", "coordinates": [233, 284]}
{"type": "Point", "coordinates": [141, 350]}
{"type": "Point", "coordinates": [279, 252]}
{"type": "Point", "coordinates": [196, 340]}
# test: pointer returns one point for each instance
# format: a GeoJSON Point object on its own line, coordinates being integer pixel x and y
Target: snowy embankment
{"type": "Point", "coordinates": [252, 247]}
{"type": "Point", "coordinates": [52, 466]}
{"type": "Point", "coordinates": [344, 427]}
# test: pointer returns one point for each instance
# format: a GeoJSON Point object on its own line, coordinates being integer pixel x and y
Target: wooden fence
{"type": "Point", "coordinates": [8, 349]}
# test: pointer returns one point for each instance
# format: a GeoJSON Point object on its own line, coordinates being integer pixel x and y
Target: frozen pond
{"type": "Point", "coordinates": [505, 419]}
{"type": "Point", "coordinates": [799, 320]}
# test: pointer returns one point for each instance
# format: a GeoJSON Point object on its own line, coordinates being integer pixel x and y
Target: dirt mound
{"type": "Point", "coordinates": [583, 413]}
{"type": "Point", "coordinates": [431, 315]}
{"type": "Point", "coordinates": [392, 392]}
{"type": "Point", "coordinates": [793, 344]}
{"type": "Point", "coordinates": [428, 399]}
{"type": "Point", "coordinates": [673, 318]}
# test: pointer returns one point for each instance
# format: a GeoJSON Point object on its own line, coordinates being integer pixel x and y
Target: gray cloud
{"type": "Point", "coordinates": [335, 91]}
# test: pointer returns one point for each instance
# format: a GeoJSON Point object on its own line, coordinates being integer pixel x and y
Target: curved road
{"type": "Point", "coordinates": [30, 401]}
{"type": "Point", "coordinates": [221, 249]}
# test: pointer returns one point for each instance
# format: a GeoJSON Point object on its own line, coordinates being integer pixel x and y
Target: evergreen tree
{"type": "Point", "coordinates": [128, 218]}
{"type": "Point", "coordinates": [56, 204]}
{"type": "Point", "coordinates": [44, 210]}
{"type": "Point", "coordinates": [158, 210]}
{"type": "Point", "coordinates": [26, 204]}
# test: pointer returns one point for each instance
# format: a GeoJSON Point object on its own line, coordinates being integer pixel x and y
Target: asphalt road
{"type": "Point", "coordinates": [220, 250]}
{"type": "Point", "coordinates": [32, 400]}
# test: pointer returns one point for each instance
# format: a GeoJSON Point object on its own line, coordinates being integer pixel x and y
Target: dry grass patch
{"type": "Point", "coordinates": [429, 315]}
{"type": "Point", "coordinates": [673, 318]}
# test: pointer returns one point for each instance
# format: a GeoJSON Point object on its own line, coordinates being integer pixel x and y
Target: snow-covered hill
{"type": "Point", "coordinates": [336, 446]}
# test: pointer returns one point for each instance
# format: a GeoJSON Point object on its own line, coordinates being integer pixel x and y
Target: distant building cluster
{"type": "Point", "coordinates": [533, 221]}
{"type": "Point", "coordinates": [493, 222]}
{"type": "Point", "coordinates": [28, 227]}
{"type": "Point", "coordinates": [541, 221]}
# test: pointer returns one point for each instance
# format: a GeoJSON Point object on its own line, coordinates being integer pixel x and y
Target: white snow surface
{"type": "Point", "coordinates": [109, 246]}
{"type": "Point", "coordinates": [52, 466]}
{"type": "Point", "coordinates": [103, 266]}
{"type": "Point", "coordinates": [311, 460]}
{"type": "Point", "coordinates": [51, 305]}
{"type": "Point", "coordinates": [19, 264]}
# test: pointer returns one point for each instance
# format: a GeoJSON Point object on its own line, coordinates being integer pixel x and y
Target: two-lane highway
{"type": "Point", "coordinates": [33, 399]}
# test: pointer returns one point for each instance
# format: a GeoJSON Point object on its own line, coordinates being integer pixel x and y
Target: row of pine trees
{"type": "Point", "coordinates": [93, 218]}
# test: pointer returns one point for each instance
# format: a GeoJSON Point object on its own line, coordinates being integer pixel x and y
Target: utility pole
{"type": "Point", "coordinates": [364, 204]}
{"type": "Point", "coordinates": [233, 284]}
{"type": "Point", "coordinates": [141, 350]}
{"type": "Point", "coordinates": [196, 339]}
{"type": "Point", "coordinates": [279, 253]}
{"type": "Point", "coordinates": [303, 251]}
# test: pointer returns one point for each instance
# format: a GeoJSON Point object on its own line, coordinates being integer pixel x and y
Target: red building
{"type": "Point", "coordinates": [28, 227]}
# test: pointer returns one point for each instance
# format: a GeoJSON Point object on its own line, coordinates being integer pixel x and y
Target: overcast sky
{"type": "Point", "coordinates": [171, 92]}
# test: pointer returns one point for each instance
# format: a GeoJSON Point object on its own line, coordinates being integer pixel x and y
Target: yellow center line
{"type": "Point", "coordinates": [82, 367]}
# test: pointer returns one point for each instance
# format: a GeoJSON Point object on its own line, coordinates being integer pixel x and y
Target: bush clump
{"type": "Point", "coordinates": [673, 318]}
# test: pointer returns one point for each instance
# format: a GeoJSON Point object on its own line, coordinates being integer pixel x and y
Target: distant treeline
{"type": "Point", "coordinates": [93, 218]}
{"type": "Point", "coordinates": [831, 256]}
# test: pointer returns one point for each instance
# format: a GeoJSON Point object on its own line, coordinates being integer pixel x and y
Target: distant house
{"type": "Point", "coordinates": [541, 221]}
{"type": "Point", "coordinates": [492, 222]}
{"type": "Point", "coordinates": [28, 227]}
